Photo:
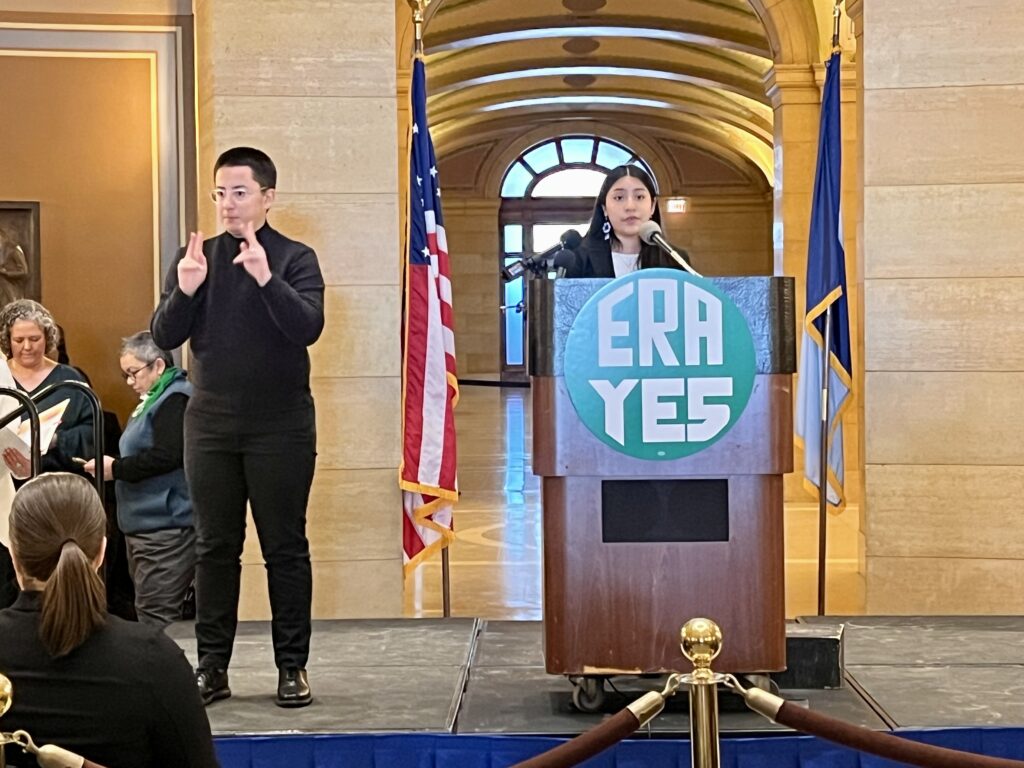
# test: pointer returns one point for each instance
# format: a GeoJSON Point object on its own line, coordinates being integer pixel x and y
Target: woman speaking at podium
{"type": "Point", "coordinates": [612, 246]}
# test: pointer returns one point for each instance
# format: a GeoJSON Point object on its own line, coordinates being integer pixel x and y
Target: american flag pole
{"type": "Point", "coordinates": [429, 385]}
{"type": "Point", "coordinates": [446, 577]}
{"type": "Point", "coordinates": [446, 585]}
{"type": "Point", "coordinates": [419, 6]}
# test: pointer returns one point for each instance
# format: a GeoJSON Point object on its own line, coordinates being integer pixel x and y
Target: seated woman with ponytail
{"type": "Point", "coordinates": [118, 693]}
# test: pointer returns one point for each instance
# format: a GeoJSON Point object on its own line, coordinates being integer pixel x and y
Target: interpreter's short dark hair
{"type": "Point", "coordinates": [263, 169]}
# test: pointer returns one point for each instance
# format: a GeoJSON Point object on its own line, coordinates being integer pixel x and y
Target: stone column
{"type": "Point", "coordinates": [796, 100]}
{"type": "Point", "coordinates": [313, 85]}
{"type": "Point", "coordinates": [474, 241]}
{"type": "Point", "coordinates": [943, 288]}
{"type": "Point", "coordinates": [852, 194]}
{"type": "Point", "coordinates": [855, 10]}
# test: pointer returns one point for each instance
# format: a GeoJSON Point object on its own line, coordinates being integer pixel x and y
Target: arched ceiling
{"type": "Point", "coordinates": [680, 73]}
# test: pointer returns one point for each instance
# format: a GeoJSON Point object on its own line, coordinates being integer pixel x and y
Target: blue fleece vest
{"type": "Point", "coordinates": [155, 503]}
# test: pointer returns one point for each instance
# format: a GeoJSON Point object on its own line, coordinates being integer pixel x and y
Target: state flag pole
{"type": "Point", "coordinates": [823, 464]}
{"type": "Point", "coordinates": [826, 349]}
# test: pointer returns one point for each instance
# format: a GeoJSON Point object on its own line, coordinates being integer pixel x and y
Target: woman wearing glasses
{"type": "Point", "coordinates": [153, 507]}
{"type": "Point", "coordinates": [29, 338]}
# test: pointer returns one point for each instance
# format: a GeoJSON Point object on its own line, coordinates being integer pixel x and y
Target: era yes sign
{"type": "Point", "coordinates": [659, 364]}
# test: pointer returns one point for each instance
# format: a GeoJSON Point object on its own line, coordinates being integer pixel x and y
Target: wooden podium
{"type": "Point", "coordinates": [634, 548]}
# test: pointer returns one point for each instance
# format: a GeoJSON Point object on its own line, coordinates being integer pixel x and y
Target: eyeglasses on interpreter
{"type": "Point", "coordinates": [239, 195]}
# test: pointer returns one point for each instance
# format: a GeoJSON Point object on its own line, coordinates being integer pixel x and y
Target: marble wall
{"type": "Point", "coordinates": [943, 174]}
{"type": "Point", "coordinates": [274, 80]}
{"type": "Point", "coordinates": [725, 234]}
{"type": "Point", "coordinates": [473, 242]}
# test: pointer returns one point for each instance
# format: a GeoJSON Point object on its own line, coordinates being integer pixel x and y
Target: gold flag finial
{"type": "Point", "coordinates": [837, 13]}
{"type": "Point", "coordinates": [419, 15]}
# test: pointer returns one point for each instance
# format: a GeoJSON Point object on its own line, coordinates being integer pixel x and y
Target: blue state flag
{"type": "Point", "coordinates": [826, 287]}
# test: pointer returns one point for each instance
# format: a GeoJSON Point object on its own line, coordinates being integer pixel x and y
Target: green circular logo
{"type": "Point", "coordinates": [659, 364]}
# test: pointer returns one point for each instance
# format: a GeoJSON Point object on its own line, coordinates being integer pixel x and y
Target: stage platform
{"type": "Point", "coordinates": [470, 676]}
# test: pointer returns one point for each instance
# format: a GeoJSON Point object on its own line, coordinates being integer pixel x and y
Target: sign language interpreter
{"type": "Point", "coordinates": [249, 302]}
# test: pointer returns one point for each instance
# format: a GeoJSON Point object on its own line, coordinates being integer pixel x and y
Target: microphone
{"type": "Point", "coordinates": [570, 239]}
{"type": "Point", "coordinates": [650, 233]}
{"type": "Point", "coordinates": [564, 261]}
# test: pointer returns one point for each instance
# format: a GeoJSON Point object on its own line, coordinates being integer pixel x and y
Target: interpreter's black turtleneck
{"type": "Point", "coordinates": [248, 343]}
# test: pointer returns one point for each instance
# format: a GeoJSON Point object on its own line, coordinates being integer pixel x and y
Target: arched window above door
{"type": "Point", "coordinates": [570, 166]}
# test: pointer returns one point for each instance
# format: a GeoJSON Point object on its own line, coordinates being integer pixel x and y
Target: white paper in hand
{"type": "Point", "coordinates": [19, 437]}
{"type": "Point", "coordinates": [49, 420]}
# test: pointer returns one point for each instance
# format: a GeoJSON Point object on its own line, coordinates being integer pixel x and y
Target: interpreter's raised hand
{"type": "Point", "coordinates": [192, 267]}
{"type": "Point", "coordinates": [253, 258]}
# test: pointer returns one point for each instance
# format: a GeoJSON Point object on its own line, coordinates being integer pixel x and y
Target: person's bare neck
{"type": "Point", "coordinates": [30, 378]}
{"type": "Point", "coordinates": [28, 584]}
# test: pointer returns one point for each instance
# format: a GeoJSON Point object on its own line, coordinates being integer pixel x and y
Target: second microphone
{"type": "Point", "coordinates": [570, 241]}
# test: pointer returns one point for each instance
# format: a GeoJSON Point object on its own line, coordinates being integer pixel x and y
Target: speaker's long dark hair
{"type": "Point", "coordinates": [594, 241]}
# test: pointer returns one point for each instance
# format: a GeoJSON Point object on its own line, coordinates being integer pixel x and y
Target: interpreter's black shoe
{"type": "Point", "coordinates": [213, 684]}
{"type": "Point", "coordinates": [293, 688]}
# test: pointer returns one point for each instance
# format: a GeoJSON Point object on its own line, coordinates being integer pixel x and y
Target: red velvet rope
{"type": "Point", "coordinates": [586, 745]}
{"type": "Point", "coordinates": [885, 745]}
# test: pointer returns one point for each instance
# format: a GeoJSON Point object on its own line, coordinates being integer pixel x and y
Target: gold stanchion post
{"type": "Point", "coordinates": [6, 699]}
{"type": "Point", "coordinates": [701, 642]}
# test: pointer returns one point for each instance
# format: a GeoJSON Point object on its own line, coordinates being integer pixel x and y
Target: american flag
{"type": "Point", "coordinates": [430, 389]}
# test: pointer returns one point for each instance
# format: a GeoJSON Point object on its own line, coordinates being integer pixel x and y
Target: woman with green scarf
{"type": "Point", "coordinates": [153, 507]}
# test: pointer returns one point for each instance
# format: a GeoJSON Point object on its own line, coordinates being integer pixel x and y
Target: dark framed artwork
{"type": "Point", "coordinates": [19, 252]}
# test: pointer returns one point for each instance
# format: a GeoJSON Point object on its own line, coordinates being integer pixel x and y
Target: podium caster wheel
{"type": "Point", "coordinates": [588, 694]}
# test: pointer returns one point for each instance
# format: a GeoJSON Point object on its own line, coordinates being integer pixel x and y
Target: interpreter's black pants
{"type": "Point", "coordinates": [226, 465]}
